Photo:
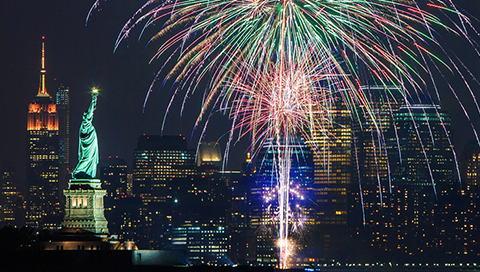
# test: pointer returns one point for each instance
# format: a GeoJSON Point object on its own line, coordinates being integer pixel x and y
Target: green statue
{"type": "Point", "coordinates": [88, 144]}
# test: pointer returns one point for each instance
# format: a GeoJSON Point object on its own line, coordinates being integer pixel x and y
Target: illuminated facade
{"type": "Point", "coordinates": [157, 160]}
{"type": "Point", "coordinates": [416, 219]}
{"type": "Point", "coordinates": [265, 180]}
{"type": "Point", "coordinates": [160, 165]}
{"type": "Point", "coordinates": [472, 165]}
{"type": "Point", "coordinates": [373, 165]}
{"type": "Point", "coordinates": [196, 212]}
{"type": "Point", "coordinates": [128, 217]}
{"type": "Point", "coordinates": [327, 219]}
{"type": "Point", "coordinates": [84, 207]}
{"type": "Point", "coordinates": [423, 135]}
{"type": "Point", "coordinates": [11, 208]}
{"type": "Point", "coordinates": [468, 219]}
{"type": "Point", "coordinates": [237, 221]}
{"type": "Point", "coordinates": [423, 214]}
{"type": "Point", "coordinates": [204, 244]}
{"type": "Point", "coordinates": [370, 141]}
{"type": "Point", "coordinates": [209, 153]}
{"type": "Point", "coordinates": [114, 180]}
{"type": "Point", "coordinates": [43, 199]}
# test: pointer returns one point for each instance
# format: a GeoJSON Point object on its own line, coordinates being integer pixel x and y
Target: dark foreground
{"type": "Point", "coordinates": [100, 261]}
{"type": "Point", "coordinates": [106, 261]}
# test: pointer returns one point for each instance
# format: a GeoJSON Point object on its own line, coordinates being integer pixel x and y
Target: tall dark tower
{"type": "Point", "coordinates": [63, 109]}
{"type": "Point", "coordinates": [43, 198]}
{"type": "Point", "coordinates": [373, 177]}
{"type": "Point", "coordinates": [423, 155]}
{"type": "Point", "coordinates": [423, 171]}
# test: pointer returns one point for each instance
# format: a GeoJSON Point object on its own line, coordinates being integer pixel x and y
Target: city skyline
{"type": "Point", "coordinates": [164, 197]}
{"type": "Point", "coordinates": [81, 57]}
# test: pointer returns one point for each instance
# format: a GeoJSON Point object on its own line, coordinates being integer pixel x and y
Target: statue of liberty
{"type": "Point", "coordinates": [88, 144]}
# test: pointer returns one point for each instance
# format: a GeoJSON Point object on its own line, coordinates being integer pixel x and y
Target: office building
{"type": "Point", "coordinates": [197, 213]}
{"type": "Point", "coordinates": [333, 152]}
{"type": "Point", "coordinates": [423, 172]}
{"type": "Point", "coordinates": [157, 160]}
{"type": "Point", "coordinates": [237, 220]}
{"type": "Point", "coordinates": [422, 152]}
{"type": "Point", "coordinates": [11, 201]}
{"type": "Point", "coordinates": [372, 183]}
{"type": "Point", "coordinates": [114, 181]}
{"type": "Point", "coordinates": [263, 199]}
{"type": "Point", "coordinates": [467, 218]}
{"type": "Point", "coordinates": [161, 164]}
{"type": "Point", "coordinates": [209, 154]}
{"type": "Point", "coordinates": [204, 244]}
{"type": "Point", "coordinates": [114, 178]}
{"type": "Point", "coordinates": [63, 109]}
{"type": "Point", "coordinates": [43, 196]}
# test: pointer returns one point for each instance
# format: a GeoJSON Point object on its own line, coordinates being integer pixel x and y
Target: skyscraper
{"type": "Point", "coordinates": [202, 243]}
{"type": "Point", "coordinates": [43, 196]}
{"type": "Point", "coordinates": [369, 135]}
{"type": "Point", "coordinates": [209, 153]}
{"type": "Point", "coordinates": [160, 165]}
{"type": "Point", "coordinates": [158, 159]}
{"type": "Point", "coordinates": [197, 213]}
{"type": "Point", "coordinates": [63, 109]}
{"type": "Point", "coordinates": [331, 180]}
{"type": "Point", "coordinates": [265, 182]}
{"type": "Point", "coordinates": [470, 216]}
{"type": "Point", "coordinates": [237, 221]}
{"type": "Point", "coordinates": [423, 173]}
{"type": "Point", "coordinates": [11, 212]}
{"type": "Point", "coordinates": [114, 180]}
{"type": "Point", "coordinates": [422, 152]}
{"type": "Point", "coordinates": [373, 176]}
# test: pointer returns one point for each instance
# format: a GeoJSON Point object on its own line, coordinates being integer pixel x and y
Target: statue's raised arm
{"type": "Point", "coordinates": [88, 144]}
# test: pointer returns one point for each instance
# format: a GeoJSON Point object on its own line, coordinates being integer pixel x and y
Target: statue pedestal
{"type": "Point", "coordinates": [84, 206]}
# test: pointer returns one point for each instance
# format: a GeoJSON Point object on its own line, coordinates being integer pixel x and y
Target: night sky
{"type": "Point", "coordinates": [81, 57]}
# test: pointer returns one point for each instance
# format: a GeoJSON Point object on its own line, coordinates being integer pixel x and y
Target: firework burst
{"type": "Point", "coordinates": [277, 107]}
{"type": "Point", "coordinates": [263, 59]}
{"type": "Point", "coordinates": [393, 39]}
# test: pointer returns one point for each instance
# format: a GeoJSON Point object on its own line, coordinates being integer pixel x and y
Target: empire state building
{"type": "Point", "coordinates": [43, 196]}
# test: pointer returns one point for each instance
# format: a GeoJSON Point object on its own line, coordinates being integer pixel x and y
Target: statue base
{"type": "Point", "coordinates": [84, 207]}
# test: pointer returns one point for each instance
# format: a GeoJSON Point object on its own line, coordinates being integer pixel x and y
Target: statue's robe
{"type": "Point", "coordinates": [87, 147]}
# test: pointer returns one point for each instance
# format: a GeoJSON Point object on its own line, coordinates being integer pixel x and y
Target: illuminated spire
{"type": "Point", "coordinates": [42, 90]}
